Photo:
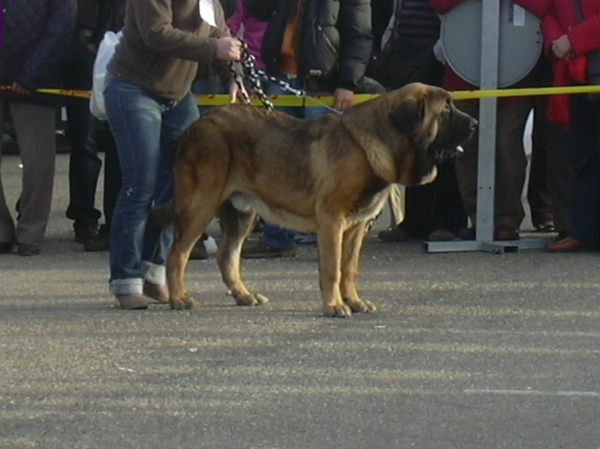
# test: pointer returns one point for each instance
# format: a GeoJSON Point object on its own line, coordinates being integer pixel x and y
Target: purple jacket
{"type": "Point", "coordinates": [252, 33]}
{"type": "Point", "coordinates": [37, 34]}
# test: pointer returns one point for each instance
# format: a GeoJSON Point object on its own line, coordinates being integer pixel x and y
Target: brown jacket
{"type": "Point", "coordinates": [163, 41]}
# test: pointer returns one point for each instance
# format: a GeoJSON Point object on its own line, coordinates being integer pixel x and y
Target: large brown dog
{"type": "Point", "coordinates": [330, 175]}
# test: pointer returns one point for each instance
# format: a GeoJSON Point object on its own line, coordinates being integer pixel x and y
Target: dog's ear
{"type": "Point", "coordinates": [408, 117]}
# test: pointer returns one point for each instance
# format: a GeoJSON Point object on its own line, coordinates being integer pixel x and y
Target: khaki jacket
{"type": "Point", "coordinates": [163, 42]}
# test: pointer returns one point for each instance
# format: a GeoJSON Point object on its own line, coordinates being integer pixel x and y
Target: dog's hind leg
{"type": "Point", "coordinates": [196, 199]}
{"type": "Point", "coordinates": [190, 223]}
{"type": "Point", "coordinates": [236, 226]}
{"type": "Point", "coordinates": [351, 249]}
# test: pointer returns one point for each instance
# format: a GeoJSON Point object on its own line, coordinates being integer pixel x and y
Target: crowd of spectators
{"type": "Point", "coordinates": [320, 46]}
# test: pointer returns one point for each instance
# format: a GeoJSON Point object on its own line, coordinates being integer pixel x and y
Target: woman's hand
{"type": "Point", "coordinates": [236, 94]}
{"type": "Point", "coordinates": [562, 48]}
{"type": "Point", "coordinates": [229, 49]}
{"type": "Point", "coordinates": [344, 99]}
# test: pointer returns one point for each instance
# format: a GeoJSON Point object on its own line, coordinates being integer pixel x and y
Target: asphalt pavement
{"type": "Point", "coordinates": [468, 350]}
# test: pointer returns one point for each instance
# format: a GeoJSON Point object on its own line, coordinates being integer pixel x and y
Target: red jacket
{"type": "Point", "coordinates": [584, 37]}
{"type": "Point", "coordinates": [562, 19]}
{"type": "Point", "coordinates": [453, 82]}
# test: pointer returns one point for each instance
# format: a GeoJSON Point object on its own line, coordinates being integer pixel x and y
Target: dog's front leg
{"type": "Point", "coordinates": [351, 249]}
{"type": "Point", "coordinates": [330, 230]}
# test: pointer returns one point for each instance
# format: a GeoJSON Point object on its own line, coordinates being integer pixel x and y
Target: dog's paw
{"type": "Point", "coordinates": [337, 311]}
{"type": "Point", "coordinates": [187, 302]}
{"type": "Point", "coordinates": [360, 305]}
{"type": "Point", "coordinates": [251, 300]}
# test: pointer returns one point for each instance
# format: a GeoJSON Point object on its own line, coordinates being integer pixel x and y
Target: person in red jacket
{"type": "Point", "coordinates": [571, 34]}
{"type": "Point", "coordinates": [511, 161]}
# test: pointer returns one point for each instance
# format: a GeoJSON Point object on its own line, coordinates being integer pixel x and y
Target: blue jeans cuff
{"type": "Point", "coordinates": [126, 286]}
{"type": "Point", "coordinates": [157, 274]}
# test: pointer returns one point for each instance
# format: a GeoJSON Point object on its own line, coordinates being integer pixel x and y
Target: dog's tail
{"type": "Point", "coordinates": [162, 216]}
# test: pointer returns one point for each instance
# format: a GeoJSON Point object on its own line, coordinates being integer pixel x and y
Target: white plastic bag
{"type": "Point", "coordinates": [105, 52]}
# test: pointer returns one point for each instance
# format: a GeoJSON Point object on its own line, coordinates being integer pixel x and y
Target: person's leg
{"type": "Point", "coordinates": [135, 119]}
{"type": "Point", "coordinates": [585, 160]}
{"type": "Point", "coordinates": [539, 196]}
{"type": "Point", "coordinates": [84, 163]}
{"type": "Point", "coordinates": [7, 225]}
{"type": "Point", "coordinates": [35, 127]}
{"type": "Point", "coordinates": [112, 186]}
{"type": "Point", "coordinates": [112, 175]}
{"type": "Point", "coordinates": [559, 170]}
{"type": "Point", "coordinates": [465, 165]}
{"type": "Point", "coordinates": [511, 165]}
{"type": "Point", "coordinates": [447, 209]}
{"type": "Point", "coordinates": [278, 238]}
{"type": "Point", "coordinates": [274, 242]}
{"type": "Point", "coordinates": [418, 213]}
{"type": "Point", "coordinates": [176, 118]}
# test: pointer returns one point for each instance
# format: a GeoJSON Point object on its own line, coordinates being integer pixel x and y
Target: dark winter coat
{"type": "Point", "coordinates": [37, 35]}
{"type": "Point", "coordinates": [335, 40]}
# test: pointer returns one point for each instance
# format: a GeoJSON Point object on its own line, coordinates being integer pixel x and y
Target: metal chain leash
{"type": "Point", "coordinates": [250, 71]}
{"type": "Point", "coordinates": [254, 76]}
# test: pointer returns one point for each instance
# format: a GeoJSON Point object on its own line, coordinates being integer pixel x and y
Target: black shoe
{"type": "Point", "coordinates": [6, 248]}
{"type": "Point", "coordinates": [99, 243]}
{"type": "Point", "coordinates": [395, 234]}
{"type": "Point", "coordinates": [442, 235]}
{"type": "Point", "coordinates": [260, 250]}
{"type": "Point", "coordinates": [506, 233]}
{"type": "Point", "coordinates": [83, 233]}
{"type": "Point", "coordinates": [24, 249]}
{"type": "Point", "coordinates": [466, 233]}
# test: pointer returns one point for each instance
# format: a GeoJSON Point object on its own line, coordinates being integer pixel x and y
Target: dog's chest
{"type": "Point", "coordinates": [371, 200]}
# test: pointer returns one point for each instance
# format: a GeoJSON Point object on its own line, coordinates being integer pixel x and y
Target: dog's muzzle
{"type": "Point", "coordinates": [441, 154]}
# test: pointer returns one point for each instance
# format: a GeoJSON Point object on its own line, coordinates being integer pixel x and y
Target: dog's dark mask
{"type": "Point", "coordinates": [455, 129]}
{"type": "Point", "coordinates": [435, 127]}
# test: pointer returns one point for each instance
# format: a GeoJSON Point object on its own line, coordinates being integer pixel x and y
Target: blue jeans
{"type": "Point", "coordinates": [273, 235]}
{"type": "Point", "coordinates": [146, 129]}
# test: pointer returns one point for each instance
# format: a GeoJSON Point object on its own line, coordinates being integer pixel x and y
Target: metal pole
{"type": "Point", "coordinates": [486, 170]}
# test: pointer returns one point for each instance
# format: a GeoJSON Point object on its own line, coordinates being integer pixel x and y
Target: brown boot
{"type": "Point", "coordinates": [157, 292]}
{"type": "Point", "coordinates": [101, 242]}
{"type": "Point", "coordinates": [132, 302]}
{"type": "Point", "coordinates": [568, 245]}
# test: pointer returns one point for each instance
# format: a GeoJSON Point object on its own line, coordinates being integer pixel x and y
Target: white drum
{"type": "Point", "coordinates": [520, 41]}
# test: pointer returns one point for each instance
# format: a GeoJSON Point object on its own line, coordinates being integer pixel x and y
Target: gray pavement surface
{"type": "Point", "coordinates": [468, 350]}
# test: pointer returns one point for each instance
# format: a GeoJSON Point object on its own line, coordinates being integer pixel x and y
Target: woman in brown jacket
{"type": "Point", "coordinates": [149, 104]}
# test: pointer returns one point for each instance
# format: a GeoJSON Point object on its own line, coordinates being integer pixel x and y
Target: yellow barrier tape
{"type": "Point", "coordinates": [66, 92]}
{"type": "Point", "coordinates": [523, 92]}
{"type": "Point", "coordinates": [327, 100]}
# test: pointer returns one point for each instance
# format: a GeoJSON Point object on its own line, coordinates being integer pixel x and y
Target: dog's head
{"type": "Point", "coordinates": [434, 127]}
